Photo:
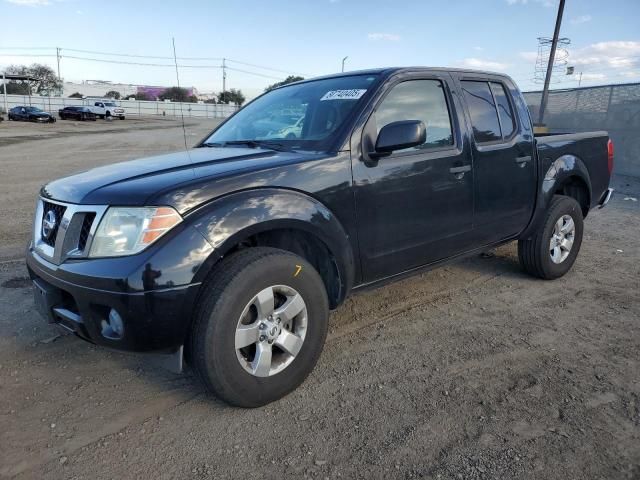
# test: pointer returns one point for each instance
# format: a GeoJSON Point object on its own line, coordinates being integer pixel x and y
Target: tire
{"type": "Point", "coordinates": [535, 254]}
{"type": "Point", "coordinates": [121, 117]}
{"type": "Point", "coordinates": [101, 117]}
{"type": "Point", "coordinates": [227, 294]}
{"type": "Point", "coordinates": [108, 115]}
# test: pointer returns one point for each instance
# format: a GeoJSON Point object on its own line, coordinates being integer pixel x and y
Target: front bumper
{"type": "Point", "coordinates": [153, 293]}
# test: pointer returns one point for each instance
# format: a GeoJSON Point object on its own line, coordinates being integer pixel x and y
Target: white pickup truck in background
{"type": "Point", "coordinates": [105, 108]}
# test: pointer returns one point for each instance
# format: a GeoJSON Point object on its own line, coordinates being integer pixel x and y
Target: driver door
{"type": "Point", "coordinates": [415, 206]}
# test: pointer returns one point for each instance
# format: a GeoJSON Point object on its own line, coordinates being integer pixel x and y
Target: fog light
{"type": "Point", "coordinates": [113, 329]}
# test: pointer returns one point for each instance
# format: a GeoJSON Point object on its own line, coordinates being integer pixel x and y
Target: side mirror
{"type": "Point", "coordinates": [399, 135]}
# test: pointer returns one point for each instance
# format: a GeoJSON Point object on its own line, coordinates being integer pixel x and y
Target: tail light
{"type": "Point", "coordinates": [610, 156]}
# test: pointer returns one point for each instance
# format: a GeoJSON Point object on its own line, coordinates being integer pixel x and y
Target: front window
{"type": "Point", "coordinates": [423, 100]}
{"type": "Point", "coordinates": [305, 116]}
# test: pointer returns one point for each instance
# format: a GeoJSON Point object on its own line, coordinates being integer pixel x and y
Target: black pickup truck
{"type": "Point", "coordinates": [232, 253]}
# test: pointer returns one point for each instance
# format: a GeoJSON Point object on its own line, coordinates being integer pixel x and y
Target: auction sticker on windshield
{"type": "Point", "coordinates": [353, 94]}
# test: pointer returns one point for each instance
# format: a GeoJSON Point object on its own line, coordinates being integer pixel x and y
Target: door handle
{"type": "Point", "coordinates": [522, 161]}
{"type": "Point", "coordinates": [459, 172]}
{"type": "Point", "coordinates": [463, 169]}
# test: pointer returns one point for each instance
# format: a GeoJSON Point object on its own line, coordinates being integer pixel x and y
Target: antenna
{"type": "Point", "coordinates": [184, 131]}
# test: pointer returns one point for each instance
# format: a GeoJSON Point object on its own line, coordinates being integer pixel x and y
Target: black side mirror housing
{"type": "Point", "coordinates": [399, 135]}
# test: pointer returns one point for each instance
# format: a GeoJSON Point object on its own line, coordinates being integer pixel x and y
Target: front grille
{"type": "Point", "coordinates": [58, 211]}
{"type": "Point", "coordinates": [72, 229]}
{"type": "Point", "coordinates": [85, 230]}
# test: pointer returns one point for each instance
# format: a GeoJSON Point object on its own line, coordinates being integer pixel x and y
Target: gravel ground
{"type": "Point", "coordinates": [473, 371]}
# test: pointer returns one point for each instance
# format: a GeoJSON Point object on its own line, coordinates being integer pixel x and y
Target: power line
{"type": "Point", "coordinates": [94, 52]}
{"type": "Point", "coordinates": [155, 57]}
{"type": "Point", "coordinates": [260, 66]}
{"type": "Point", "coordinates": [27, 48]}
{"type": "Point", "coordinates": [26, 55]}
{"type": "Point", "coordinates": [144, 64]}
{"type": "Point", "coordinates": [254, 73]}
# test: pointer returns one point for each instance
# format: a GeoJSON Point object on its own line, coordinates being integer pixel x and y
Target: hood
{"type": "Point", "coordinates": [39, 114]}
{"type": "Point", "coordinates": [132, 183]}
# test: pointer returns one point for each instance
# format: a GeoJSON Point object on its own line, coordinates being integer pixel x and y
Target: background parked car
{"type": "Point", "coordinates": [76, 113]}
{"type": "Point", "coordinates": [30, 114]}
{"type": "Point", "coordinates": [105, 108]}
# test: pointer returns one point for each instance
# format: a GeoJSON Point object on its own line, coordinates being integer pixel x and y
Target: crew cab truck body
{"type": "Point", "coordinates": [105, 107]}
{"type": "Point", "coordinates": [238, 248]}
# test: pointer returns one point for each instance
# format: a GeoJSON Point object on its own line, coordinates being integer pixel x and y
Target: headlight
{"type": "Point", "coordinates": [128, 230]}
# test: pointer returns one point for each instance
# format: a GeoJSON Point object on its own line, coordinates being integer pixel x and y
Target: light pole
{"type": "Point", "coordinates": [344, 60]}
{"type": "Point", "coordinates": [4, 89]}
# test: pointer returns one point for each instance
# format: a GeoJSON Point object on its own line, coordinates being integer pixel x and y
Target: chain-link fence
{"type": "Point", "coordinates": [614, 108]}
{"type": "Point", "coordinates": [132, 107]}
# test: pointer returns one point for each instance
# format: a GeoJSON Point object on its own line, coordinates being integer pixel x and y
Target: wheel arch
{"type": "Point", "coordinates": [279, 218]}
{"type": "Point", "coordinates": [567, 175]}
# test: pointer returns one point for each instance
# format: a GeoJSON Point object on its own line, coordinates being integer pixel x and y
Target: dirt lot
{"type": "Point", "coordinates": [470, 371]}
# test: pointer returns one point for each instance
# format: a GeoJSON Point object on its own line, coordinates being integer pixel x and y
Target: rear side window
{"type": "Point", "coordinates": [418, 100]}
{"type": "Point", "coordinates": [505, 113]}
{"type": "Point", "coordinates": [484, 116]}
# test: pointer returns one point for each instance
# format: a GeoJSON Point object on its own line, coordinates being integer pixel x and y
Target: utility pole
{"type": "Point", "coordinates": [580, 79]}
{"type": "Point", "coordinates": [4, 89]}
{"type": "Point", "coordinates": [224, 75]}
{"type": "Point", "coordinates": [59, 78]}
{"type": "Point", "coordinates": [344, 60]}
{"type": "Point", "coordinates": [552, 58]}
{"type": "Point", "coordinates": [58, 58]}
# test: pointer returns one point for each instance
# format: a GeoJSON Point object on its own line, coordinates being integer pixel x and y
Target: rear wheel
{"type": "Point", "coordinates": [552, 250]}
{"type": "Point", "coordinates": [259, 326]}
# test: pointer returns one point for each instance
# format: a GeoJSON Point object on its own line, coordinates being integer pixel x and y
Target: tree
{"type": "Point", "coordinates": [75, 95]}
{"type": "Point", "coordinates": [175, 94]}
{"type": "Point", "coordinates": [192, 99]}
{"type": "Point", "coordinates": [112, 94]}
{"type": "Point", "coordinates": [16, 88]}
{"type": "Point", "coordinates": [231, 96]}
{"type": "Point", "coordinates": [46, 82]}
{"type": "Point", "coordinates": [289, 79]}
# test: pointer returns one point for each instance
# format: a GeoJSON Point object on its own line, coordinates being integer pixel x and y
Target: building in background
{"type": "Point", "coordinates": [153, 93]}
{"type": "Point", "coordinates": [99, 88]}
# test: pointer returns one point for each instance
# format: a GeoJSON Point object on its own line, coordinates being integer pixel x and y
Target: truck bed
{"type": "Point", "coordinates": [590, 148]}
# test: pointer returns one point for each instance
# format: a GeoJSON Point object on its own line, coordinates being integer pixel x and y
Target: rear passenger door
{"type": "Point", "coordinates": [502, 148]}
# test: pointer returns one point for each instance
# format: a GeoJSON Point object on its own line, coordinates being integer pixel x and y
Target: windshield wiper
{"type": "Point", "coordinates": [279, 147]}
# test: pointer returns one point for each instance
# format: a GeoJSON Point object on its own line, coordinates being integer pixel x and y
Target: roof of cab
{"type": "Point", "coordinates": [394, 70]}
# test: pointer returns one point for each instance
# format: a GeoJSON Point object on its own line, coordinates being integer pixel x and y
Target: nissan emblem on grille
{"type": "Point", "coordinates": [49, 223]}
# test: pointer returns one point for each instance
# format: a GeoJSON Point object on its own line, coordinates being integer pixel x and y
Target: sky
{"type": "Point", "coordinates": [310, 38]}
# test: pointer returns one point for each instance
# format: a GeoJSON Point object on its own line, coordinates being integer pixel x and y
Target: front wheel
{"type": "Point", "coordinates": [551, 251]}
{"type": "Point", "coordinates": [259, 326]}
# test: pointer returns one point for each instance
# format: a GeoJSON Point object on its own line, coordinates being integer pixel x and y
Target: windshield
{"type": "Point", "coordinates": [109, 104]}
{"type": "Point", "coordinates": [302, 116]}
{"type": "Point", "coordinates": [33, 109]}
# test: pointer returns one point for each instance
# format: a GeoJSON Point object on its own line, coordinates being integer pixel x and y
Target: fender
{"type": "Point", "coordinates": [229, 220]}
{"type": "Point", "coordinates": [557, 173]}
